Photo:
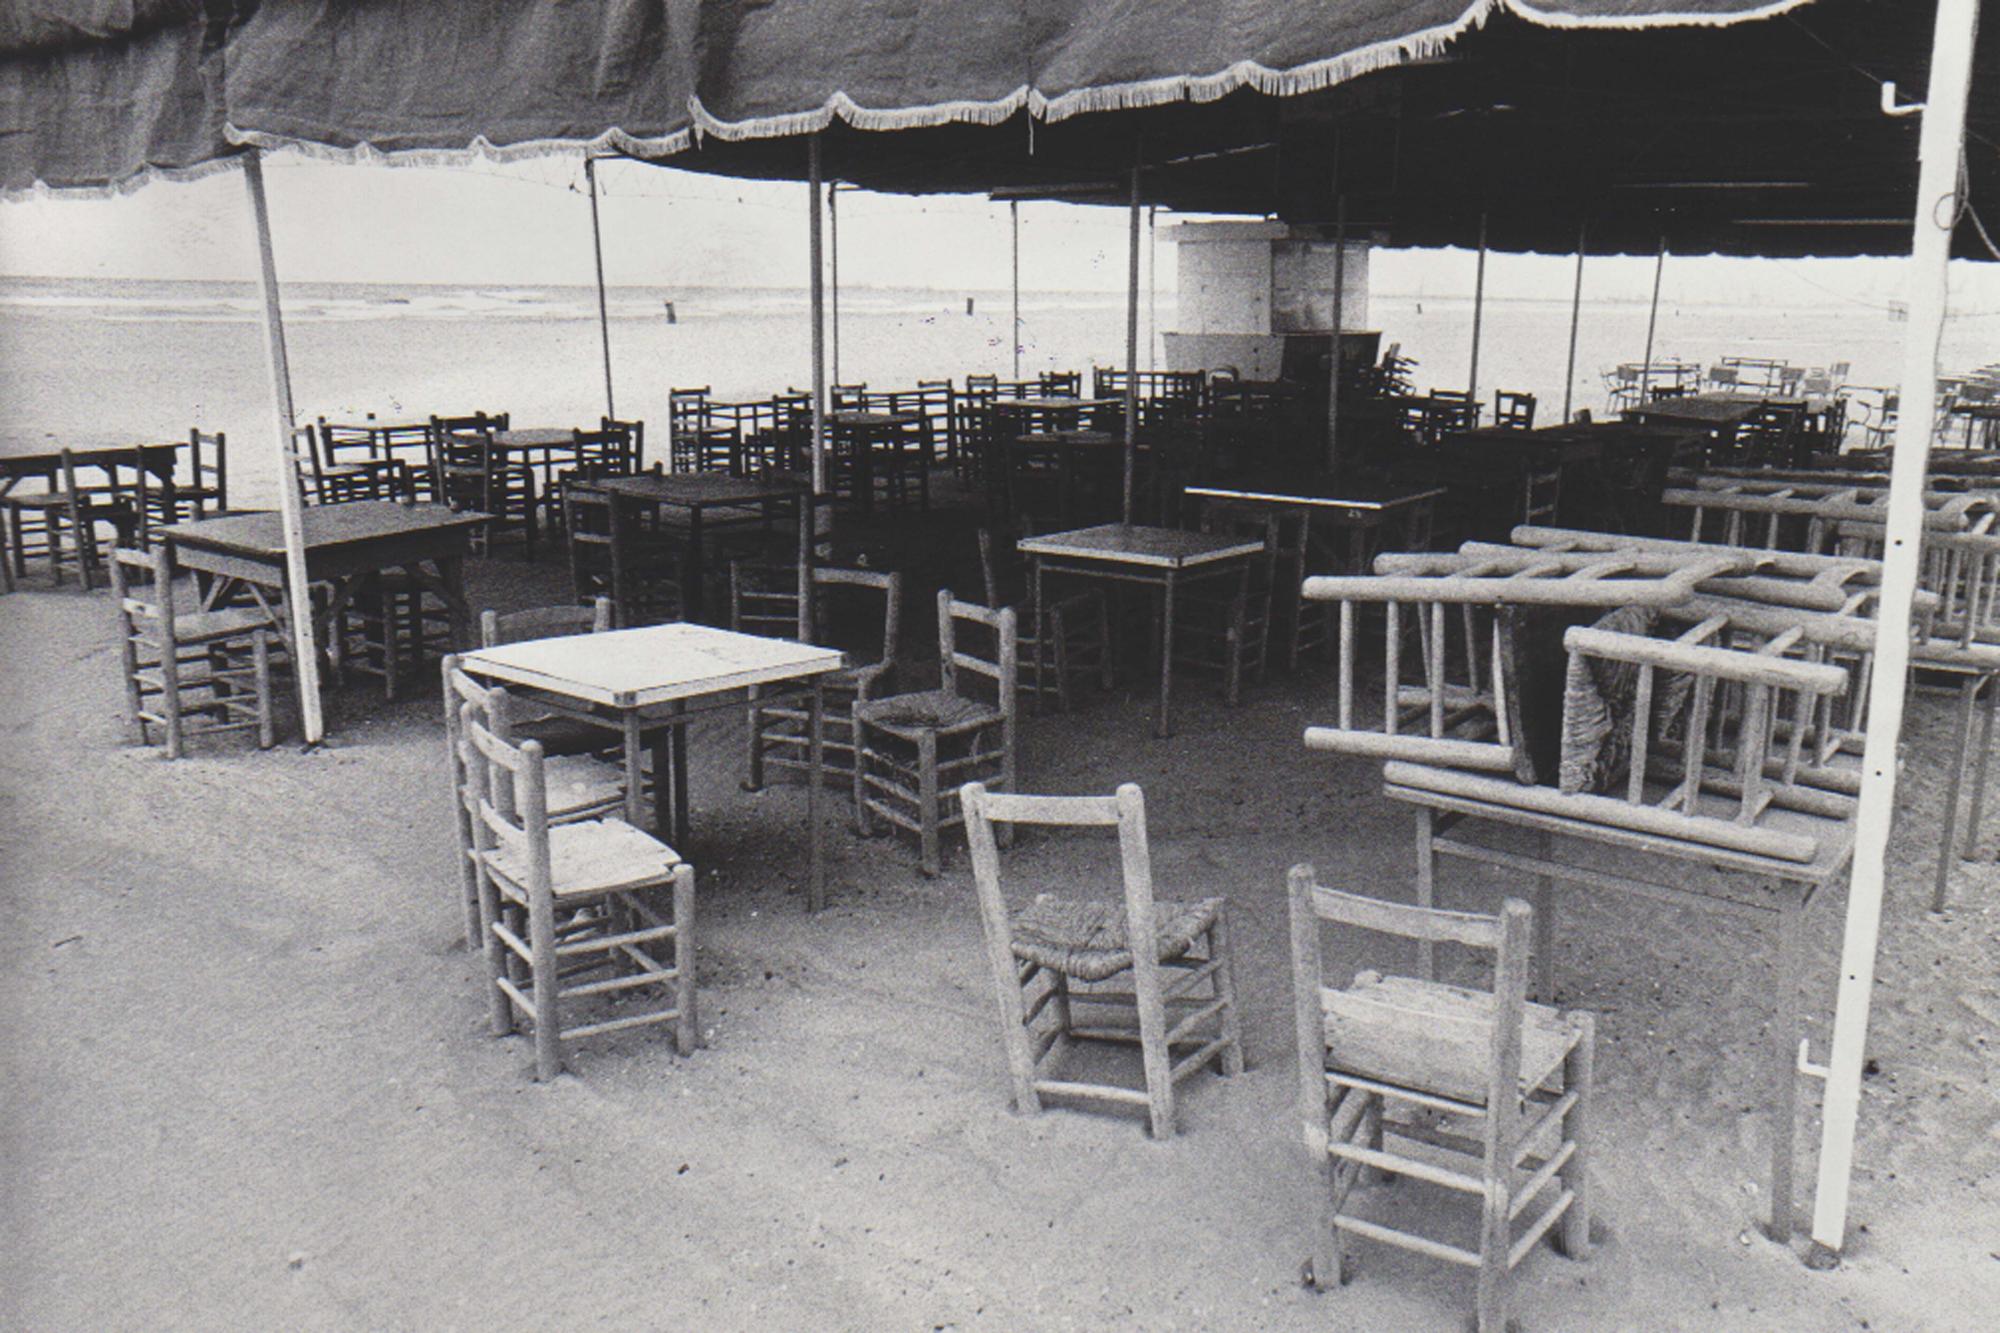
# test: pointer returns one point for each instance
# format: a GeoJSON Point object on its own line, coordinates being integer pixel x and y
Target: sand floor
{"type": "Point", "coordinates": [248, 1082]}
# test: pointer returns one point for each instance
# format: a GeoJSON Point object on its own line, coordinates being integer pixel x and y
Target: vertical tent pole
{"type": "Point", "coordinates": [1014, 216]}
{"type": "Point", "coordinates": [1152, 286]}
{"type": "Point", "coordinates": [1937, 209]}
{"type": "Point", "coordinates": [833, 284]}
{"type": "Point", "coordinates": [291, 502]}
{"type": "Point", "coordinates": [1652, 322]}
{"type": "Point", "coordinates": [603, 314]}
{"type": "Point", "coordinates": [1339, 321]}
{"type": "Point", "coordinates": [1478, 312]}
{"type": "Point", "coordinates": [818, 322]}
{"type": "Point", "coordinates": [1575, 320]}
{"type": "Point", "coordinates": [1132, 352]}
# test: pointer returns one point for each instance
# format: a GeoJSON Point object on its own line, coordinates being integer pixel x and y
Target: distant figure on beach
{"type": "Point", "coordinates": [670, 313]}
{"type": "Point", "coordinates": [968, 305]}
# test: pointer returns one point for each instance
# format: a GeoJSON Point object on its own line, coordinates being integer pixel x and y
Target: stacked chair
{"type": "Point", "coordinates": [186, 670]}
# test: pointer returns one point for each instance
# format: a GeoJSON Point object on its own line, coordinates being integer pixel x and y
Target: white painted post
{"type": "Point", "coordinates": [818, 322]}
{"type": "Point", "coordinates": [1132, 354]}
{"type": "Point", "coordinates": [1652, 321]}
{"type": "Point", "coordinates": [1930, 251]}
{"type": "Point", "coordinates": [1478, 311]}
{"type": "Point", "coordinates": [1014, 217]}
{"type": "Point", "coordinates": [1152, 286]}
{"type": "Point", "coordinates": [1575, 320]}
{"type": "Point", "coordinates": [291, 503]}
{"type": "Point", "coordinates": [833, 282]}
{"type": "Point", "coordinates": [603, 313]}
{"type": "Point", "coordinates": [1339, 322]}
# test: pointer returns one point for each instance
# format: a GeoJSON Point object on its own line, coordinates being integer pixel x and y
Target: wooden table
{"type": "Point", "coordinates": [343, 543]}
{"type": "Point", "coordinates": [1355, 506]}
{"type": "Point", "coordinates": [159, 460]}
{"type": "Point", "coordinates": [716, 500]}
{"type": "Point", "coordinates": [1162, 558]}
{"type": "Point", "coordinates": [859, 435]}
{"type": "Point", "coordinates": [1761, 889]}
{"type": "Point", "coordinates": [644, 679]}
{"type": "Point", "coordinates": [1069, 449]}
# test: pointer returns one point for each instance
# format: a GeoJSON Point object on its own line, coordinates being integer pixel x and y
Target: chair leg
{"type": "Point", "coordinates": [861, 825]}
{"type": "Point", "coordinates": [1573, 1237]}
{"type": "Point", "coordinates": [547, 980]}
{"type": "Point", "coordinates": [755, 782]}
{"type": "Point", "coordinates": [170, 695]}
{"type": "Point", "coordinates": [927, 800]}
{"type": "Point", "coordinates": [1494, 1274]}
{"type": "Point", "coordinates": [1225, 990]}
{"type": "Point", "coordinates": [1977, 805]}
{"type": "Point", "coordinates": [260, 654]}
{"type": "Point", "coordinates": [499, 1006]}
{"type": "Point", "coordinates": [1154, 1054]}
{"type": "Point", "coordinates": [135, 699]}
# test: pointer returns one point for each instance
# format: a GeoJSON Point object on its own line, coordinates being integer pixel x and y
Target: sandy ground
{"type": "Point", "coordinates": [248, 1083]}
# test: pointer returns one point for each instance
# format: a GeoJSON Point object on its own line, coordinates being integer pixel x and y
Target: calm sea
{"type": "Point", "coordinates": [97, 361]}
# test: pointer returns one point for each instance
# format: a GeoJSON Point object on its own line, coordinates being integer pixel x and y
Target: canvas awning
{"type": "Point", "coordinates": [1718, 125]}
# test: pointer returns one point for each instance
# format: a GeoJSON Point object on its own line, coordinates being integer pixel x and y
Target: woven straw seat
{"type": "Point", "coordinates": [927, 710]}
{"type": "Point", "coordinates": [579, 785]}
{"type": "Point", "coordinates": [594, 856]}
{"type": "Point", "coordinates": [202, 626]}
{"type": "Point", "coordinates": [1086, 940]}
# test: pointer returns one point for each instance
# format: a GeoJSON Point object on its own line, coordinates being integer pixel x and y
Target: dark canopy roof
{"type": "Point", "coordinates": [1719, 124]}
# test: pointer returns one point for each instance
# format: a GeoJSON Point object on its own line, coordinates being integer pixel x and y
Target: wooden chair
{"type": "Point", "coordinates": [1060, 383]}
{"type": "Point", "coordinates": [615, 553]}
{"type": "Point", "coordinates": [389, 625]}
{"type": "Point", "coordinates": [180, 666]}
{"type": "Point", "coordinates": [61, 524]}
{"type": "Point", "coordinates": [857, 610]}
{"type": "Point", "coordinates": [1541, 494]}
{"type": "Point", "coordinates": [596, 454]}
{"type": "Point", "coordinates": [1225, 626]}
{"type": "Point", "coordinates": [1502, 1084]}
{"type": "Point", "coordinates": [1077, 627]}
{"type": "Point", "coordinates": [1513, 411]}
{"type": "Point", "coordinates": [687, 419]}
{"type": "Point", "coordinates": [635, 439]}
{"type": "Point", "coordinates": [911, 751]}
{"type": "Point", "coordinates": [565, 909]}
{"type": "Point", "coordinates": [347, 466]}
{"type": "Point", "coordinates": [1056, 956]}
{"type": "Point", "coordinates": [471, 474]}
{"type": "Point", "coordinates": [204, 492]}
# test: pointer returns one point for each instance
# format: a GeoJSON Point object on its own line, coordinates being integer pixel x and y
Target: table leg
{"type": "Point", "coordinates": [1977, 806]}
{"type": "Point", "coordinates": [1545, 923]}
{"type": "Point", "coordinates": [1165, 727]}
{"type": "Point", "coordinates": [682, 824]}
{"type": "Point", "coordinates": [451, 578]}
{"type": "Point", "coordinates": [635, 777]}
{"type": "Point", "coordinates": [1783, 1039]}
{"type": "Point", "coordinates": [1426, 886]}
{"type": "Point", "coordinates": [815, 769]}
{"type": "Point", "coordinates": [694, 595]}
{"type": "Point", "coordinates": [1948, 843]}
{"type": "Point", "coordinates": [1035, 628]}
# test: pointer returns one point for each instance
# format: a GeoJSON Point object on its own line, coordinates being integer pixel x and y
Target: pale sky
{"type": "Point", "coordinates": [529, 222]}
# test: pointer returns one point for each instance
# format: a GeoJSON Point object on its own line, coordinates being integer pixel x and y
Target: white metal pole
{"type": "Point", "coordinates": [818, 323]}
{"type": "Point", "coordinates": [1575, 321]}
{"type": "Point", "coordinates": [833, 284]}
{"type": "Point", "coordinates": [603, 311]}
{"type": "Point", "coordinates": [1132, 353]}
{"type": "Point", "coordinates": [1652, 322]}
{"type": "Point", "coordinates": [291, 502]}
{"type": "Point", "coordinates": [1339, 321]}
{"type": "Point", "coordinates": [1152, 286]}
{"type": "Point", "coordinates": [1937, 210]}
{"type": "Point", "coordinates": [1478, 311]}
{"type": "Point", "coordinates": [1014, 216]}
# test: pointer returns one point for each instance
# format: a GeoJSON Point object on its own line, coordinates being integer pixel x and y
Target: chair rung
{"type": "Point", "coordinates": [1195, 1018]}
{"type": "Point", "coordinates": [605, 943]}
{"type": "Point", "coordinates": [516, 994]}
{"type": "Point", "coordinates": [1405, 1094]}
{"type": "Point", "coordinates": [1045, 1039]}
{"type": "Point", "coordinates": [1041, 1002]}
{"type": "Point", "coordinates": [618, 1024]}
{"type": "Point", "coordinates": [1058, 1088]}
{"type": "Point", "coordinates": [1520, 1248]}
{"type": "Point", "coordinates": [1556, 1110]}
{"type": "Point", "coordinates": [1197, 1060]}
{"type": "Point", "coordinates": [610, 984]}
{"type": "Point", "coordinates": [512, 941]}
{"type": "Point", "coordinates": [1193, 976]}
{"type": "Point", "coordinates": [1533, 1185]}
{"type": "Point", "coordinates": [1408, 1241]}
{"type": "Point", "coordinates": [1408, 1166]}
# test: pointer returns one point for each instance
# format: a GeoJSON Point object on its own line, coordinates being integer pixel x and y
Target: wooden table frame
{"type": "Point", "coordinates": [1357, 515]}
{"type": "Point", "coordinates": [664, 709]}
{"type": "Point", "coordinates": [343, 543]}
{"type": "Point", "coordinates": [740, 501]}
{"type": "Point", "coordinates": [1782, 892]}
{"type": "Point", "coordinates": [1120, 554]}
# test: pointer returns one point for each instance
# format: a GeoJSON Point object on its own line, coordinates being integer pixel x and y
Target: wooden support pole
{"type": "Point", "coordinates": [291, 502]}
{"type": "Point", "coordinates": [1014, 219]}
{"type": "Point", "coordinates": [603, 312]}
{"type": "Point", "coordinates": [818, 319]}
{"type": "Point", "coordinates": [1132, 362]}
{"type": "Point", "coordinates": [1936, 214]}
{"type": "Point", "coordinates": [1339, 318]}
{"type": "Point", "coordinates": [833, 279]}
{"type": "Point", "coordinates": [1152, 286]}
{"type": "Point", "coordinates": [1478, 314]}
{"type": "Point", "coordinates": [1652, 322]}
{"type": "Point", "coordinates": [1575, 322]}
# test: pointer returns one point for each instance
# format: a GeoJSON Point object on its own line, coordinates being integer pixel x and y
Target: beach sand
{"type": "Point", "coordinates": [248, 1082]}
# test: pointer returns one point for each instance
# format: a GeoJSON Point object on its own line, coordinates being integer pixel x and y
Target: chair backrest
{"type": "Point", "coordinates": [507, 794]}
{"type": "Point", "coordinates": [1461, 1044]}
{"type": "Point", "coordinates": [305, 463]}
{"type": "Point", "coordinates": [335, 439]}
{"type": "Point", "coordinates": [959, 662]}
{"type": "Point", "coordinates": [1513, 411]}
{"type": "Point", "coordinates": [604, 453]}
{"type": "Point", "coordinates": [1064, 383]}
{"type": "Point", "coordinates": [158, 606]}
{"type": "Point", "coordinates": [849, 397]}
{"type": "Point", "coordinates": [1125, 811]}
{"type": "Point", "coordinates": [764, 599]}
{"type": "Point", "coordinates": [850, 604]}
{"type": "Point", "coordinates": [208, 470]}
{"type": "Point", "coordinates": [687, 410]}
{"type": "Point", "coordinates": [543, 622]}
{"type": "Point", "coordinates": [635, 439]}
{"type": "Point", "coordinates": [982, 386]}
{"type": "Point", "coordinates": [1541, 494]}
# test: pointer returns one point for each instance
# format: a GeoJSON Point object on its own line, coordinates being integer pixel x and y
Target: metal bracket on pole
{"type": "Point", "coordinates": [1805, 1062]}
{"type": "Point", "coordinates": [1890, 106]}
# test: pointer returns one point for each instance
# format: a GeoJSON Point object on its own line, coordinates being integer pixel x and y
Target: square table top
{"type": "Point", "coordinates": [695, 490]}
{"type": "Point", "coordinates": [1116, 543]}
{"type": "Point", "coordinates": [1716, 409]}
{"type": "Point", "coordinates": [866, 419]}
{"type": "Point", "coordinates": [262, 535]}
{"type": "Point", "coordinates": [631, 668]}
{"type": "Point", "coordinates": [1323, 493]}
{"type": "Point", "coordinates": [1053, 403]}
{"type": "Point", "coordinates": [534, 437]}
